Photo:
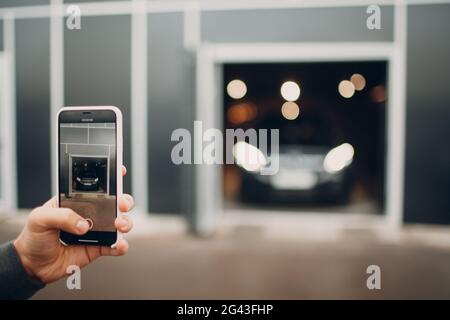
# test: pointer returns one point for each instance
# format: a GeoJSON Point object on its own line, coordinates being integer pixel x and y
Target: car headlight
{"type": "Point", "coordinates": [338, 158]}
{"type": "Point", "coordinates": [78, 179]}
{"type": "Point", "coordinates": [96, 179]}
{"type": "Point", "coordinates": [249, 157]}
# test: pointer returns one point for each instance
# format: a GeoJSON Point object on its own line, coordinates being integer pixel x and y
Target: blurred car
{"type": "Point", "coordinates": [307, 174]}
{"type": "Point", "coordinates": [86, 178]}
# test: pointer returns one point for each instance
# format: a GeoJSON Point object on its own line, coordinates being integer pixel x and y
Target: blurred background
{"type": "Point", "coordinates": [363, 117]}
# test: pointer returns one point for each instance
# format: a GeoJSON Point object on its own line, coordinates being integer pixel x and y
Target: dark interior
{"type": "Point", "coordinates": [325, 119]}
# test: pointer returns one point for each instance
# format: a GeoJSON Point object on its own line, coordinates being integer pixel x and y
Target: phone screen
{"type": "Point", "coordinates": [87, 172]}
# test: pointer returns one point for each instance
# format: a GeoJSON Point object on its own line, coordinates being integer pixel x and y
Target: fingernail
{"type": "Point", "coordinates": [123, 223]}
{"type": "Point", "coordinates": [82, 225]}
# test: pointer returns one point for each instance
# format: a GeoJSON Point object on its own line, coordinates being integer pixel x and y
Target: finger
{"type": "Point", "coordinates": [120, 249]}
{"type": "Point", "coordinates": [124, 224]}
{"type": "Point", "coordinates": [52, 203]}
{"type": "Point", "coordinates": [44, 218]}
{"type": "Point", "coordinates": [124, 170]}
{"type": "Point", "coordinates": [126, 202]}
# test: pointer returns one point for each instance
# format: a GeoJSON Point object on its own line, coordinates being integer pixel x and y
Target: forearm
{"type": "Point", "coordinates": [15, 283]}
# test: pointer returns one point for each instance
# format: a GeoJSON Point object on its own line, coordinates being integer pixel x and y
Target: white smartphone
{"type": "Point", "coordinates": [90, 170]}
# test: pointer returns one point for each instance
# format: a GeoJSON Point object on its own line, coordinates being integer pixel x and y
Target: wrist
{"type": "Point", "coordinates": [25, 261]}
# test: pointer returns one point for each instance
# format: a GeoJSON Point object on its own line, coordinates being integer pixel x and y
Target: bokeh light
{"type": "Point", "coordinates": [241, 112]}
{"type": "Point", "coordinates": [378, 94]}
{"type": "Point", "coordinates": [346, 89]}
{"type": "Point", "coordinates": [290, 91]}
{"type": "Point", "coordinates": [290, 110]}
{"type": "Point", "coordinates": [236, 89]}
{"type": "Point", "coordinates": [358, 81]}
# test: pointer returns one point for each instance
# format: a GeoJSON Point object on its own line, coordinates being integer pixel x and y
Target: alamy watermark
{"type": "Point", "coordinates": [73, 281]}
{"type": "Point", "coordinates": [249, 149]}
{"type": "Point", "coordinates": [374, 280]}
{"type": "Point", "coordinates": [373, 21]}
{"type": "Point", "coordinates": [73, 21]}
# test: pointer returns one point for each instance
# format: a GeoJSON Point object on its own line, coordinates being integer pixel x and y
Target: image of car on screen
{"type": "Point", "coordinates": [87, 179]}
{"type": "Point", "coordinates": [88, 176]}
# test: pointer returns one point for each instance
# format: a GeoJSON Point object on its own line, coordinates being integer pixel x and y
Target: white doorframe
{"type": "Point", "coordinates": [3, 135]}
{"type": "Point", "coordinates": [210, 56]}
{"type": "Point", "coordinates": [7, 137]}
{"type": "Point", "coordinates": [8, 200]}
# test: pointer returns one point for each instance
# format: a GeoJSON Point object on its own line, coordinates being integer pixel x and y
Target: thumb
{"type": "Point", "coordinates": [43, 219]}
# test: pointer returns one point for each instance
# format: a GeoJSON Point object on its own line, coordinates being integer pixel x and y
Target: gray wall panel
{"type": "Point", "coordinates": [295, 25]}
{"type": "Point", "coordinates": [73, 135]}
{"type": "Point", "coordinates": [1, 35]}
{"type": "Point", "coordinates": [33, 111]}
{"type": "Point", "coordinates": [171, 83]}
{"type": "Point", "coordinates": [20, 3]}
{"type": "Point", "coordinates": [102, 136]}
{"type": "Point", "coordinates": [427, 178]}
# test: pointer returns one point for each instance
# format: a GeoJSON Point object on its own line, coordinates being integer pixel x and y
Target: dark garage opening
{"type": "Point", "coordinates": [323, 110]}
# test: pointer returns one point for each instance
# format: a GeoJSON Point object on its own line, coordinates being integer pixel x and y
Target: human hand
{"type": "Point", "coordinates": [45, 258]}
